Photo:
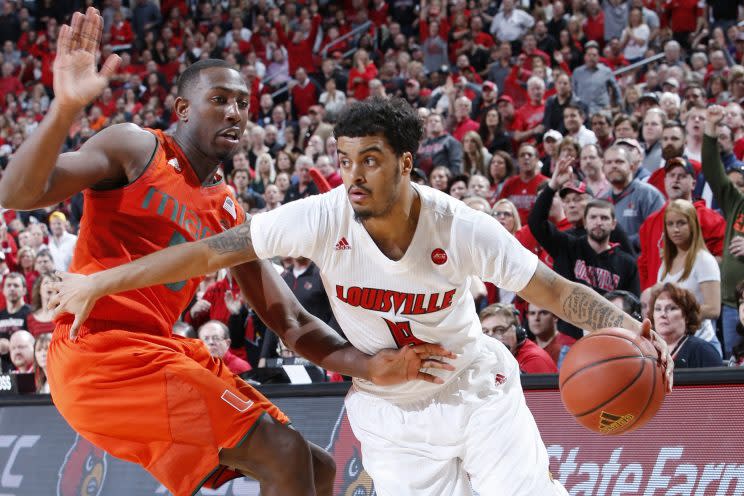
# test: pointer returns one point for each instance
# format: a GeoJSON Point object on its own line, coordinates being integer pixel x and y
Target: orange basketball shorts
{"type": "Point", "coordinates": [161, 402]}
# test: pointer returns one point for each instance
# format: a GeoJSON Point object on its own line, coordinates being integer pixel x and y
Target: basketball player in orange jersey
{"type": "Point", "coordinates": [125, 382]}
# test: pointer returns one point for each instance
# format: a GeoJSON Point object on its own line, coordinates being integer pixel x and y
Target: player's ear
{"type": "Point", "coordinates": [406, 161]}
{"type": "Point", "coordinates": [181, 107]}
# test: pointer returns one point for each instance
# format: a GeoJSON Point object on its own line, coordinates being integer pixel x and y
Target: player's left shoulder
{"type": "Point", "coordinates": [437, 203]}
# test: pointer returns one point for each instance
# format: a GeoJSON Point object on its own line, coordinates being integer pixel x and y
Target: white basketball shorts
{"type": "Point", "coordinates": [475, 434]}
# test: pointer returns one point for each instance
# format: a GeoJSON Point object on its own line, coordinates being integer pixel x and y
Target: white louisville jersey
{"type": "Point", "coordinates": [425, 296]}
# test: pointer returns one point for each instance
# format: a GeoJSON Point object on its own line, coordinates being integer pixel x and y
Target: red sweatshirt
{"type": "Point", "coordinates": [651, 235]}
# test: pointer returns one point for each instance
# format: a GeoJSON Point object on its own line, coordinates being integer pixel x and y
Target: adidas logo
{"type": "Point", "coordinates": [174, 163]}
{"type": "Point", "coordinates": [343, 244]}
{"type": "Point", "coordinates": [609, 422]}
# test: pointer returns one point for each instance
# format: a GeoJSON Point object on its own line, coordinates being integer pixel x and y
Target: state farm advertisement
{"type": "Point", "coordinates": [693, 447]}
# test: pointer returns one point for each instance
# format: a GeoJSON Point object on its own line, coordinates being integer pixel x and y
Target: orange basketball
{"type": "Point", "coordinates": [611, 381]}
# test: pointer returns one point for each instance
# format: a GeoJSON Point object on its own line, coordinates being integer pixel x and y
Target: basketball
{"type": "Point", "coordinates": [611, 381]}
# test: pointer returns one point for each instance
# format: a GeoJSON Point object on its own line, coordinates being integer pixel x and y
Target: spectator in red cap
{"type": "Point", "coordinates": [506, 109]}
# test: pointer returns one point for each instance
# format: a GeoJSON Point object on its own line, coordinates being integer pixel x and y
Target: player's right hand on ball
{"type": "Point", "coordinates": [389, 367]}
{"type": "Point", "coordinates": [75, 294]}
{"type": "Point", "coordinates": [77, 80]}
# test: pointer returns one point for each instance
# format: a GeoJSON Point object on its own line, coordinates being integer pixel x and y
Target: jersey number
{"type": "Point", "coordinates": [402, 333]}
{"type": "Point", "coordinates": [176, 239]}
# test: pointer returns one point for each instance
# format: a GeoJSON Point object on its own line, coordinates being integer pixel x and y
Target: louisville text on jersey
{"type": "Point", "coordinates": [385, 300]}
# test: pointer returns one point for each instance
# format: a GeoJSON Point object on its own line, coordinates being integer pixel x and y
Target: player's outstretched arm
{"type": "Point", "coordinates": [37, 175]}
{"type": "Point", "coordinates": [270, 297]}
{"type": "Point", "coordinates": [587, 309]}
{"type": "Point", "coordinates": [76, 294]}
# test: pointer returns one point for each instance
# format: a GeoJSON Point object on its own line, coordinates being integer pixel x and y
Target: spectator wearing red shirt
{"type": "Point", "coordinates": [328, 170]}
{"type": "Point", "coordinates": [684, 17]}
{"type": "Point", "coordinates": [378, 13]}
{"type": "Point", "coordinates": [679, 182]}
{"type": "Point", "coordinates": [501, 322]}
{"type": "Point", "coordinates": [303, 92]}
{"type": "Point", "coordinates": [480, 37]}
{"type": "Point", "coordinates": [9, 83]}
{"type": "Point", "coordinates": [216, 337]}
{"type": "Point", "coordinates": [362, 72]}
{"type": "Point", "coordinates": [107, 103]}
{"type": "Point", "coordinates": [121, 33]}
{"type": "Point", "coordinates": [462, 123]}
{"type": "Point", "coordinates": [594, 22]}
{"type": "Point", "coordinates": [299, 47]}
{"type": "Point", "coordinates": [212, 305]}
{"type": "Point", "coordinates": [544, 325]}
{"type": "Point", "coordinates": [528, 120]}
{"type": "Point", "coordinates": [521, 189]}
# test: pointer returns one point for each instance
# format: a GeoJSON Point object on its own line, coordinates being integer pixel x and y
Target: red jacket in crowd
{"type": "Point", "coordinates": [304, 97]}
{"type": "Point", "coordinates": [534, 360]}
{"type": "Point", "coordinates": [300, 54]}
{"type": "Point", "coordinates": [651, 235]}
{"type": "Point", "coordinates": [521, 194]}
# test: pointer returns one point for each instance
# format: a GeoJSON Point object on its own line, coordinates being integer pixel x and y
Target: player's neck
{"type": "Point", "coordinates": [203, 166]}
{"type": "Point", "coordinates": [394, 231]}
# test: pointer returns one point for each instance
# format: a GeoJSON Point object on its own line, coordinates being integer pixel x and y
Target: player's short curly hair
{"type": "Point", "coordinates": [392, 118]}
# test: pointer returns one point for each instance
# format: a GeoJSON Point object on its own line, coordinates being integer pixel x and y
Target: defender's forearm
{"type": "Point", "coordinates": [180, 262]}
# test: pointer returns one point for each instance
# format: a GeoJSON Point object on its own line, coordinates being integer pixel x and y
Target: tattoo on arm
{"type": "Point", "coordinates": [586, 309]}
{"type": "Point", "coordinates": [235, 239]}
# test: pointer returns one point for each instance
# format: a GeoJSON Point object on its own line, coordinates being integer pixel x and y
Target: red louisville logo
{"type": "Point", "coordinates": [83, 471]}
{"type": "Point", "coordinates": [439, 256]}
{"type": "Point", "coordinates": [351, 479]}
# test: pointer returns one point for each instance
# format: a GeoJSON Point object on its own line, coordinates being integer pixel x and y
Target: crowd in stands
{"type": "Point", "coordinates": [546, 114]}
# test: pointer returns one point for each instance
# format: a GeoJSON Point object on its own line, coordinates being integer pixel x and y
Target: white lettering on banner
{"type": "Point", "coordinates": [236, 487]}
{"type": "Point", "coordinates": [8, 479]}
{"type": "Point", "coordinates": [615, 478]}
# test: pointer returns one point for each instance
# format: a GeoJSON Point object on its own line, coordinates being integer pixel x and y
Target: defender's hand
{"type": "Point", "coordinates": [75, 295]}
{"type": "Point", "coordinates": [664, 356]}
{"type": "Point", "coordinates": [77, 82]}
{"type": "Point", "coordinates": [390, 366]}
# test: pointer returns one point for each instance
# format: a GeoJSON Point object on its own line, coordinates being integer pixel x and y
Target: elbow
{"type": "Point", "coordinates": [13, 200]}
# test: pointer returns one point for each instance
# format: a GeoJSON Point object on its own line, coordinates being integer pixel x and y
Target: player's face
{"type": "Point", "coordinates": [499, 327]}
{"type": "Point", "coordinates": [218, 112]}
{"type": "Point", "coordinates": [372, 174]}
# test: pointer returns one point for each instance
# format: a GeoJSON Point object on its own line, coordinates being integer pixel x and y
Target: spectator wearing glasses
{"type": "Point", "coordinates": [501, 321]}
{"type": "Point", "coordinates": [216, 336]}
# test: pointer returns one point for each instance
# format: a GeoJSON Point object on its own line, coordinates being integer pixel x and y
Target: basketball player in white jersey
{"type": "Point", "coordinates": [397, 260]}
